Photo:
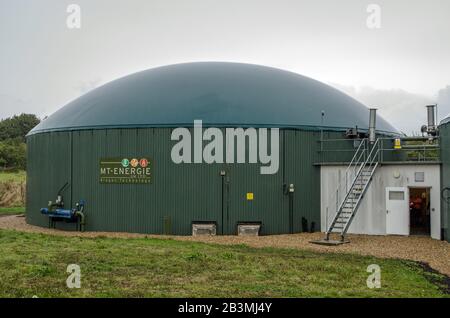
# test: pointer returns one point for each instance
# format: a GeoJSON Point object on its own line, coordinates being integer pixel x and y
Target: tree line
{"type": "Point", "coordinates": [12, 140]}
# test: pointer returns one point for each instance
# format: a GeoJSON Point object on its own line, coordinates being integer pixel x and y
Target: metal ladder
{"type": "Point", "coordinates": [361, 170]}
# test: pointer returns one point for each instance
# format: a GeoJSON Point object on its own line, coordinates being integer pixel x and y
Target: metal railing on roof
{"type": "Point", "coordinates": [410, 149]}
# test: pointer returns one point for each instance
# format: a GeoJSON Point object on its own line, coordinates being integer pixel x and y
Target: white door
{"type": "Point", "coordinates": [435, 218]}
{"type": "Point", "coordinates": [397, 211]}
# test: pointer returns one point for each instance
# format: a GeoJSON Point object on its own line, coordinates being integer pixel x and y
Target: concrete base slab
{"type": "Point", "coordinates": [329, 242]}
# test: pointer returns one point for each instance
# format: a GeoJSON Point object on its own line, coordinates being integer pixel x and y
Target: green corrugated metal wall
{"type": "Point", "coordinates": [444, 132]}
{"type": "Point", "coordinates": [182, 193]}
{"type": "Point", "coordinates": [48, 169]}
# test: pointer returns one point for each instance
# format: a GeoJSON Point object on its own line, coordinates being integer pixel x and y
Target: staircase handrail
{"type": "Point", "coordinates": [363, 165]}
{"type": "Point", "coordinates": [355, 205]}
{"type": "Point", "coordinates": [370, 159]}
{"type": "Point", "coordinates": [355, 159]}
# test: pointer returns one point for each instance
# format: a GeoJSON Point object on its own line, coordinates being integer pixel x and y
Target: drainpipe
{"type": "Point", "coordinates": [291, 190]}
{"type": "Point", "coordinates": [80, 214]}
{"type": "Point", "coordinates": [82, 217]}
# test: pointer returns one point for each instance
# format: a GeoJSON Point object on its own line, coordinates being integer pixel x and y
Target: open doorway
{"type": "Point", "coordinates": [419, 211]}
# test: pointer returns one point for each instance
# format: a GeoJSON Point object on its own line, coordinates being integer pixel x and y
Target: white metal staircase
{"type": "Point", "coordinates": [358, 176]}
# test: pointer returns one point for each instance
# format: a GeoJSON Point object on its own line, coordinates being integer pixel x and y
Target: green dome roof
{"type": "Point", "coordinates": [218, 93]}
{"type": "Point", "coordinates": [446, 120]}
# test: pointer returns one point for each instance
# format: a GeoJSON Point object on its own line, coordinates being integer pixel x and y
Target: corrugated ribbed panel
{"type": "Point", "coordinates": [183, 193]}
{"type": "Point", "coordinates": [444, 132]}
{"type": "Point", "coordinates": [178, 194]}
{"type": "Point", "coordinates": [301, 149]}
{"type": "Point", "coordinates": [48, 169]}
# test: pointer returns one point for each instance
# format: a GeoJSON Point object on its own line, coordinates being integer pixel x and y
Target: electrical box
{"type": "Point", "coordinates": [204, 228]}
{"type": "Point", "coordinates": [248, 229]}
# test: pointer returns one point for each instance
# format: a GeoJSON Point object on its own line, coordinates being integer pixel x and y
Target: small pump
{"type": "Point", "coordinates": [59, 214]}
{"type": "Point", "coordinates": [56, 212]}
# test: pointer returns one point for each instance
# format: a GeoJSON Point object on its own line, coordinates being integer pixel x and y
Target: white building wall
{"type": "Point", "coordinates": [371, 215]}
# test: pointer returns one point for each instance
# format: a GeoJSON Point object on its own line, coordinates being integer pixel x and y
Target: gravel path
{"type": "Point", "coordinates": [422, 249]}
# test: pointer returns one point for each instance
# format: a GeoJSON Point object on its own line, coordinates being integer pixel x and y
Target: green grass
{"type": "Point", "coordinates": [12, 210]}
{"type": "Point", "coordinates": [18, 176]}
{"type": "Point", "coordinates": [35, 264]}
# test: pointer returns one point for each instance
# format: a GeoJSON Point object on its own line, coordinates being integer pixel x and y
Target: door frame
{"type": "Point", "coordinates": [428, 189]}
{"type": "Point", "coordinates": [406, 198]}
{"type": "Point", "coordinates": [435, 215]}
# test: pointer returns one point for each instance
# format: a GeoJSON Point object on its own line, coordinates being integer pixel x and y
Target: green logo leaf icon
{"type": "Point", "coordinates": [125, 162]}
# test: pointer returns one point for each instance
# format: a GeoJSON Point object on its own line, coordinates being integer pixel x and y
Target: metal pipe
{"type": "Point", "coordinates": [431, 116]}
{"type": "Point", "coordinates": [80, 214]}
{"type": "Point", "coordinates": [321, 129]}
{"type": "Point", "coordinates": [431, 111]}
{"type": "Point", "coordinates": [372, 124]}
{"type": "Point", "coordinates": [291, 209]}
{"type": "Point", "coordinates": [82, 217]}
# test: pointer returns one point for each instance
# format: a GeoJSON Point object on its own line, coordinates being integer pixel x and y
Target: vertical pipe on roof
{"type": "Point", "coordinates": [372, 124]}
{"type": "Point", "coordinates": [431, 109]}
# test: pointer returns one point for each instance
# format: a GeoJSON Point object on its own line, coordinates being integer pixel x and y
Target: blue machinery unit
{"type": "Point", "coordinates": [59, 214]}
{"type": "Point", "coordinates": [56, 212]}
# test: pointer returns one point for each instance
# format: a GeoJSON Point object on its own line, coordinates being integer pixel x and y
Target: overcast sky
{"type": "Point", "coordinates": [398, 68]}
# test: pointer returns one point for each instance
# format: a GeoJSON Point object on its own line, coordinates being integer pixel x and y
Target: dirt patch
{"type": "Point", "coordinates": [416, 248]}
{"type": "Point", "coordinates": [432, 275]}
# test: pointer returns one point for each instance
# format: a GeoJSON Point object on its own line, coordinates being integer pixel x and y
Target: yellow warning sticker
{"type": "Point", "coordinates": [250, 196]}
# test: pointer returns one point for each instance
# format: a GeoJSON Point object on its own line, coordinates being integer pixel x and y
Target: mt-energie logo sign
{"type": "Point", "coordinates": [125, 170]}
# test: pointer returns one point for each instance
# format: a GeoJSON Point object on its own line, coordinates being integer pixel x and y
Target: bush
{"type": "Point", "coordinates": [17, 127]}
{"type": "Point", "coordinates": [13, 154]}
{"type": "Point", "coordinates": [12, 140]}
